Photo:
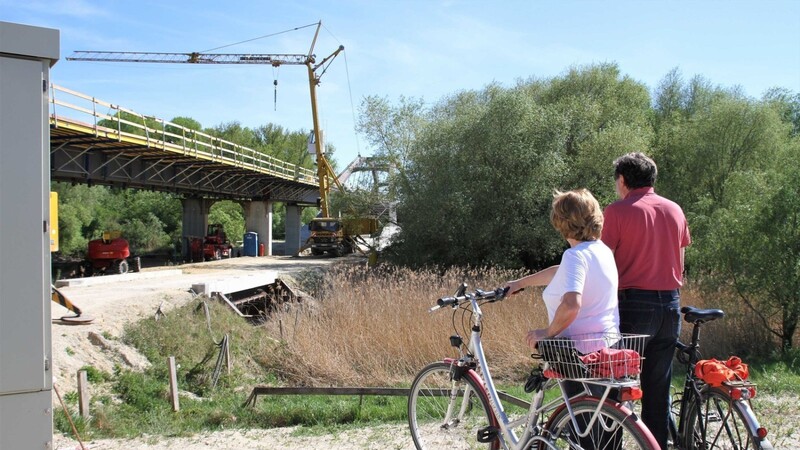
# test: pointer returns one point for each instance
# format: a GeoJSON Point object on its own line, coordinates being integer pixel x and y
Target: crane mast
{"type": "Point", "coordinates": [324, 169]}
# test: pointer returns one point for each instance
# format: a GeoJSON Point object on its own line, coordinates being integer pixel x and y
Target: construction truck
{"type": "Point", "coordinates": [214, 245]}
{"type": "Point", "coordinates": [337, 236]}
{"type": "Point", "coordinates": [109, 254]}
{"type": "Point", "coordinates": [334, 235]}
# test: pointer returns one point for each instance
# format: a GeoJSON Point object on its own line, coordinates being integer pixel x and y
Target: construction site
{"type": "Point", "coordinates": [54, 134]}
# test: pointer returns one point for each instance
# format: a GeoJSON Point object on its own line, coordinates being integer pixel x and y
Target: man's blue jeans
{"type": "Point", "coordinates": [657, 314]}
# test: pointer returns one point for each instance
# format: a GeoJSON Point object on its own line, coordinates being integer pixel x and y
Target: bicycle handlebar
{"type": "Point", "coordinates": [462, 296]}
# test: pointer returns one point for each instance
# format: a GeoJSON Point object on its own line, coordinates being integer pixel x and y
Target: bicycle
{"type": "Point", "coordinates": [712, 417]}
{"type": "Point", "coordinates": [454, 403]}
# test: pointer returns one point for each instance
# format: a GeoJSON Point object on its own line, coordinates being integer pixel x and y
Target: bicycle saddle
{"type": "Point", "coordinates": [697, 315]}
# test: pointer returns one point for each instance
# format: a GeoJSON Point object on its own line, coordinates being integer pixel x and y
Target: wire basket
{"type": "Point", "coordinates": [599, 356]}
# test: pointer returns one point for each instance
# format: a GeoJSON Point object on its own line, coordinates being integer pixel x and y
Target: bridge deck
{"type": "Point", "coordinates": [125, 147]}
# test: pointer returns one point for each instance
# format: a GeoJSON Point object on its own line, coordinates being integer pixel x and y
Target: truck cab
{"type": "Point", "coordinates": [328, 235]}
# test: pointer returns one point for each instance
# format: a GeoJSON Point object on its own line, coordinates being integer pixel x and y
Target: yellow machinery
{"type": "Point", "coordinates": [61, 299]}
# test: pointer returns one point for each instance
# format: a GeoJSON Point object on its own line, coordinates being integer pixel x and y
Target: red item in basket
{"type": "Point", "coordinates": [716, 372]}
{"type": "Point", "coordinates": [612, 363]}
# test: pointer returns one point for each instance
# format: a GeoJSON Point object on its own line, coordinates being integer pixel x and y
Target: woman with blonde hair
{"type": "Point", "coordinates": [581, 292]}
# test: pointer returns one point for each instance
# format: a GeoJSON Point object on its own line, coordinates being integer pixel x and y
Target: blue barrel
{"type": "Point", "coordinates": [251, 243]}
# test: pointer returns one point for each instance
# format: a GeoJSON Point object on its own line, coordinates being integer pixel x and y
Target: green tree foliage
{"type": "Point", "coordinates": [231, 216]}
{"type": "Point", "coordinates": [150, 221]}
{"type": "Point", "coordinates": [605, 114]}
{"type": "Point", "coordinates": [481, 172]}
{"type": "Point", "coordinates": [752, 245]}
{"type": "Point", "coordinates": [236, 133]}
{"type": "Point", "coordinates": [81, 213]}
{"type": "Point", "coordinates": [392, 131]}
{"type": "Point", "coordinates": [734, 164]}
{"type": "Point", "coordinates": [285, 145]}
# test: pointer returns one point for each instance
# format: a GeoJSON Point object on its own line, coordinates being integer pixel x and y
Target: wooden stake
{"type": "Point", "coordinates": [228, 353]}
{"type": "Point", "coordinates": [173, 385]}
{"type": "Point", "coordinates": [83, 394]}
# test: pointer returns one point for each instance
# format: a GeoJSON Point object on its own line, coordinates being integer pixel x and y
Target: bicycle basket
{"type": "Point", "coordinates": [613, 356]}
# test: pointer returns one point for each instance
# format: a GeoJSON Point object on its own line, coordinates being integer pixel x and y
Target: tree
{"type": "Point", "coordinates": [732, 163]}
{"type": "Point", "coordinates": [81, 210]}
{"type": "Point", "coordinates": [289, 146]}
{"type": "Point", "coordinates": [606, 114]}
{"type": "Point", "coordinates": [482, 169]}
{"type": "Point", "coordinates": [231, 215]}
{"type": "Point", "coordinates": [752, 244]}
{"type": "Point", "coordinates": [392, 130]}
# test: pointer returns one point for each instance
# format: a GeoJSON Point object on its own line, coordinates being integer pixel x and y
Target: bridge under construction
{"type": "Point", "coordinates": [98, 143]}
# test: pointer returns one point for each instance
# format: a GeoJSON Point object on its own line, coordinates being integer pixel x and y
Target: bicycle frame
{"type": "Point", "coordinates": [475, 354]}
{"type": "Point", "coordinates": [507, 436]}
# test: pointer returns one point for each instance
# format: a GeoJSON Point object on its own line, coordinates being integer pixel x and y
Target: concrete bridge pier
{"type": "Point", "coordinates": [258, 218]}
{"type": "Point", "coordinates": [195, 220]}
{"type": "Point", "coordinates": [292, 224]}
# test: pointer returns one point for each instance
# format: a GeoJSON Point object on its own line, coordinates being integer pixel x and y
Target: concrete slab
{"type": "Point", "coordinates": [104, 279]}
{"type": "Point", "coordinates": [235, 284]}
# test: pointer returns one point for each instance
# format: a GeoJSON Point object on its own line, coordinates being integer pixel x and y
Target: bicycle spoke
{"type": "Point", "coordinates": [723, 423]}
{"type": "Point", "coordinates": [446, 414]}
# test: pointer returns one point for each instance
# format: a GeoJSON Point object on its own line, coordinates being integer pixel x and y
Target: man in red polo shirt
{"type": "Point", "coordinates": [648, 234]}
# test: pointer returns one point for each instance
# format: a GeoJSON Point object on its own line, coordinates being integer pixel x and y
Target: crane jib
{"type": "Point", "coordinates": [191, 58]}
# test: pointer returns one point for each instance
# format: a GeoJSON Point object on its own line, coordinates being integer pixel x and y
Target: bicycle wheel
{"type": "Point", "coordinates": [614, 427]}
{"type": "Point", "coordinates": [444, 413]}
{"type": "Point", "coordinates": [725, 423]}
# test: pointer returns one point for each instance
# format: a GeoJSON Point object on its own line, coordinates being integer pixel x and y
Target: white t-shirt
{"type": "Point", "coordinates": [588, 269]}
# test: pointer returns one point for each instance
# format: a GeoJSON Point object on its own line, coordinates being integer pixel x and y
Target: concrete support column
{"type": "Point", "coordinates": [195, 220]}
{"type": "Point", "coordinates": [293, 224]}
{"type": "Point", "coordinates": [258, 218]}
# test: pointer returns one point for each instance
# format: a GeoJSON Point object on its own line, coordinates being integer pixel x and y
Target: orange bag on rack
{"type": "Point", "coordinates": [716, 372]}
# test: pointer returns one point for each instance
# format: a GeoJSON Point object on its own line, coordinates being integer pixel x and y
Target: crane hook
{"type": "Point", "coordinates": [275, 71]}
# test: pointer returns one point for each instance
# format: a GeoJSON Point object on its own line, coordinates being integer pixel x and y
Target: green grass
{"type": "Point", "coordinates": [146, 409]}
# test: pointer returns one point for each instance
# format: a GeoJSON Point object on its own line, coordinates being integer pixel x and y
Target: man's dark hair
{"type": "Point", "coordinates": [638, 170]}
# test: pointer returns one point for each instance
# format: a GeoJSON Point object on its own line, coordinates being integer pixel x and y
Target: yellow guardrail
{"type": "Point", "coordinates": [79, 111]}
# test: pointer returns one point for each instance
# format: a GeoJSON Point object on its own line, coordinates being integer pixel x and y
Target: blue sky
{"type": "Point", "coordinates": [415, 48]}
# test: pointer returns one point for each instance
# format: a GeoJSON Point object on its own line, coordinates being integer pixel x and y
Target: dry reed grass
{"type": "Point", "coordinates": [740, 332]}
{"type": "Point", "coordinates": [371, 327]}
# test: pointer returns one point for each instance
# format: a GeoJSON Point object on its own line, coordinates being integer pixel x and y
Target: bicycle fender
{"type": "Point", "coordinates": [630, 414]}
{"type": "Point", "coordinates": [751, 422]}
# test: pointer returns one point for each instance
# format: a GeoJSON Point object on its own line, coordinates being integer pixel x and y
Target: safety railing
{"type": "Point", "coordinates": [69, 108]}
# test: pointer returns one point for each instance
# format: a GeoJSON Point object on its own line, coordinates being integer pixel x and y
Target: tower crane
{"type": "Point", "coordinates": [324, 169]}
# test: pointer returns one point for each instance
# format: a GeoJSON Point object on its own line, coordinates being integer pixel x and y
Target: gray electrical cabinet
{"type": "Point", "coordinates": [26, 378]}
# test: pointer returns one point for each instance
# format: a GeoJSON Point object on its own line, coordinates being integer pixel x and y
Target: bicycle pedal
{"type": "Point", "coordinates": [487, 434]}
